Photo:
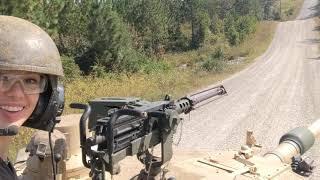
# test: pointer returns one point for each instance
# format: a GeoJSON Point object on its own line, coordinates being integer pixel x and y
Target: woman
{"type": "Point", "coordinates": [29, 69]}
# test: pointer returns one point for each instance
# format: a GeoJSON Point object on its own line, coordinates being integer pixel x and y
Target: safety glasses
{"type": "Point", "coordinates": [31, 83]}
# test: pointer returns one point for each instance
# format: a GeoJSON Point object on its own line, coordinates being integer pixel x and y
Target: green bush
{"type": "Point", "coordinates": [212, 65]}
{"type": "Point", "coordinates": [216, 25]}
{"type": "Point", "coordinates": [238, 28]}
{"type": "Point", "coordinates": [70, 68]}
{"type": "Point", "coordinates": [215, 62]}
{"type": "Point", "coordinates": [178, 41]}
{"type": "Point", "coordinates": [155, 66]}
{"type": "Point", "coordinates": [276, 15]}
{"type": "Point", "coordinates": [233, 36]}
{"type": "Point", "coordinates": [219, 53]}
{"type": "Point", "coordinates": [98, 71]}
{"type": "Point", "coordinates": [200, 29]}
{"type": "Point", "coordinates": [213, 39]}
{"type": "Point", "coordinates": [245, 25]}
{"type": "Point", "coordinates": [289, 12]}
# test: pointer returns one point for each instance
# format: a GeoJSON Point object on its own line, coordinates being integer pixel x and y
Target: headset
{"type": "Point", "coordinates": [50, 105]}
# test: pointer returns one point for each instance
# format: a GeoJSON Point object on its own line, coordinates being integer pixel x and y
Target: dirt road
{"type": "Point", "coordinates": [280, 91]}
{"type": "Point", "coordinates": [277, 93]}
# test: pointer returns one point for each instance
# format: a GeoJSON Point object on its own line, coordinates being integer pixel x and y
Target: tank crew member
{"type": "Point", "coordinates": [30, 66]}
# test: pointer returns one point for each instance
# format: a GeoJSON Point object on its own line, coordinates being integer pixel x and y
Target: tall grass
{"type": "Point", "coordinates": [149, 86]}
{"type": "Point", "coordinates": [256, 43]}
{"type": "Point", "coordinates": [289, 9]}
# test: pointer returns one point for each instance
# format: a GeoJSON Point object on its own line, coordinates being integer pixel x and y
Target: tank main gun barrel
{"type": "Point", "coordinates": [297, 141]}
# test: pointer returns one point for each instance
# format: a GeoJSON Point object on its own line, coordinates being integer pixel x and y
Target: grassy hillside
{"type": "Point", "coordinates": [290, 9]}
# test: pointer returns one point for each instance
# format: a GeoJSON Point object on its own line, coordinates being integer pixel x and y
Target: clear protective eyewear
{"type": "Point", "coordinates": [30, 83]}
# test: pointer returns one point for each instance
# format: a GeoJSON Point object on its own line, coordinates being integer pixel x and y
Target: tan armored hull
{"type": "Point", "coordinates": [209, 165]}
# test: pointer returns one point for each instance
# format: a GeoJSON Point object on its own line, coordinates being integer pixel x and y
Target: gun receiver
{"type": "Point", "coordinates": [129, 126]}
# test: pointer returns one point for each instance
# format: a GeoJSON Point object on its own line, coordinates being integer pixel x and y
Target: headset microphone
{"type": "Point", "coordinates": [9, 131]}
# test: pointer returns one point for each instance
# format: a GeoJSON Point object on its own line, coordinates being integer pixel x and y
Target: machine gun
{"type": "Point", "coordinates": [128, 126]}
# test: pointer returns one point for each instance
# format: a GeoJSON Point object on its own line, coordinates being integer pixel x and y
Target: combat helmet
{"type": "Point", "coordinates": [26, 47]}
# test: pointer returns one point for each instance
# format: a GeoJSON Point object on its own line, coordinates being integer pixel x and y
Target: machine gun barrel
{"type": "Point", "coordinates": [296, 141]}
{"type": "Point", "coordinates": [186, 104]}
{"type": "Point", "coordinates": [206, 94]}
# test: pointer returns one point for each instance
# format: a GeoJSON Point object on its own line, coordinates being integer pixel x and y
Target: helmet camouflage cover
{"type": "Point", "coordinates": [26, 47]}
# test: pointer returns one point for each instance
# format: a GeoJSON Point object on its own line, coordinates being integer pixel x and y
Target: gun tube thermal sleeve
{"type": "Point", "coordinates": [297, 141]}
{"type": "Point", "coordinates": [301, 136]}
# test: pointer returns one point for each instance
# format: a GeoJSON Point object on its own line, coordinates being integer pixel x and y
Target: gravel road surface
{"type": "Point", "coordinates": [277, 93]}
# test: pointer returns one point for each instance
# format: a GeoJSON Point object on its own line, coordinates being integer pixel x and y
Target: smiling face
{"type": "Point", "coordinates": [15, 105]}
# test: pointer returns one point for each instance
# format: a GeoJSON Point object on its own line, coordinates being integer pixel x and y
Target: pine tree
{"type": "Point", "coordinates": [200, 21]}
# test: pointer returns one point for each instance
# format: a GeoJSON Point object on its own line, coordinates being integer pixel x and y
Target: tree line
{"type": "Point", "coordinates": [101, 36]}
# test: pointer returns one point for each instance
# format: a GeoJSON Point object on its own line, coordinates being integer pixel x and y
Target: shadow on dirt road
{"type": "Point", "coordinates": [316, 11]}
{"type": "Point", "coordinates": [313, 10]}
{"type": "Point", "coordinates": [311, 41]}
{"type": "Point", "coordinates": [316, 58]}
